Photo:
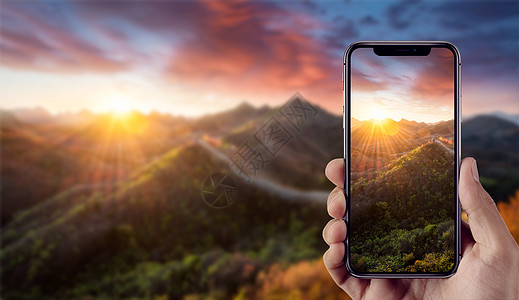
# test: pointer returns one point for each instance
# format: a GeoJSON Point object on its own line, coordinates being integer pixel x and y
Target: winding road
{"type": "Point", "coordinates": [271, 187]}
{"type": "Point", "coordinates": [445, 147]}
{"type": "Point", "coordinates": [268, 185]}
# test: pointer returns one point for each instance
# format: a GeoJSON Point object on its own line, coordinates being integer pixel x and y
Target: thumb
{"type": "Point", "coordinates": [486, 224]}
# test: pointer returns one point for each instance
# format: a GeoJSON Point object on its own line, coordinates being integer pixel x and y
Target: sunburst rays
{"type": "Point", "coordinates": [374, 143]}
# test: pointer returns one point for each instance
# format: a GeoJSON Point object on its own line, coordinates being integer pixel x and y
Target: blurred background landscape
{"type": "Point", "coordinates": [113, 115]}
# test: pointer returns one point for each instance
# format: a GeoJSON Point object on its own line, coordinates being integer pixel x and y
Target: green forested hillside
{"type": "Point", "coordinates": [153, 232]}
{"type": "Point", "coordinates": [111, 208]}
{"type": "Point", "coordinates": [402, 219]}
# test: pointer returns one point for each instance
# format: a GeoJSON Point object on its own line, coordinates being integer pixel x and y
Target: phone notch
{"type": "Point", "coordinates": [402, 50]}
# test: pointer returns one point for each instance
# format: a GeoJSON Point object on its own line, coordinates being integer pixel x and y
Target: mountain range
{"type": "Point", "coordinates": [88, 205]}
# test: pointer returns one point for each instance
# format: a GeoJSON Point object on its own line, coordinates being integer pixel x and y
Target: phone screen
{"type": "Point", "coordinates": [402, 183]}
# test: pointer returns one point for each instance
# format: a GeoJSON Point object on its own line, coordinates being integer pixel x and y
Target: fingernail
{"type": "Point", "coordinates": [475, 173]}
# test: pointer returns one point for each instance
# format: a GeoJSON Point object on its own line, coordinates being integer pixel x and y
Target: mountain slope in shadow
{"type": "Point", "coordinates": [91, 231]}
{"type": "Point", "coordinates": [494, 142]}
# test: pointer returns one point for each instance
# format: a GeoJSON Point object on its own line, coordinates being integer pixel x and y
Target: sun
{"type": "Point", "coordinates": [377, 115]}
{"type": "Point", "coordinates": [119, 107]}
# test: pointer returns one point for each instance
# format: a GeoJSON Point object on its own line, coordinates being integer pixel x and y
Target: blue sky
{"type": "Point", "coordinates": [417, 88]}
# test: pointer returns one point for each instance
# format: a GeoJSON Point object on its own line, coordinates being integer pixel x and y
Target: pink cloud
{"type": "Point", "coordinates": [435, 81]}
{"type": "Point", "coordinates": [364, 83]}
{"type": "Point", "coordinates": [50, 48]}
{"type": "Point", "coordinates": [238, 48]}
{"type": "Point", "coordinates": [244, 48]}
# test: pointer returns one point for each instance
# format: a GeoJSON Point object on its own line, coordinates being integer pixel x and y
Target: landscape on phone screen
{"type": "Point", "coordinates": [402, 184]}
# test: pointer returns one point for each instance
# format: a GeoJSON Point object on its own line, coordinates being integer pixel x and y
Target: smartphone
{"type": "Point", "coordinates": [402, 125]}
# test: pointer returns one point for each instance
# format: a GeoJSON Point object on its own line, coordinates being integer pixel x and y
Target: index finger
{"type": "Point", "coordinates": [335, 172]}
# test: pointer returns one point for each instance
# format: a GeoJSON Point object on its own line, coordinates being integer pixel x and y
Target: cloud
{"type": "Point", "coordinates": [248, 49]}
{"type": "Point", "coordinates": [227, 46]}
{"type": "Point", "coordinates": [487, 35]}
{"type": "Point", "coordinates": [368, 72]}
{"type": "Point", "coordinates": [368, 20]}
{"type": "Point", "coordinates": [361, 82]}
{"type": "Point", "coordinates": [429, 80]}
{"type": "Point", "coordinates": [487, 55]}
{"type": "Point", "coordinates": [435, 80]}
{"type": "Point", "coordinates": [252, 47]}
{"type": "Point", "coordinates": [401, 14]}
{"type": "Point", "coordinates": [41, 45]}
{"type": "Point", "coordinates": [343, 32]}
{"type": "Point", "coordinates": [461, 15]}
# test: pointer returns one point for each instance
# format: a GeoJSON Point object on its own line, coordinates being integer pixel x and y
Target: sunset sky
{"type": "Point", "coordinates": [417, 88]}
{"type": "Point", "coordinates": [193, 58]}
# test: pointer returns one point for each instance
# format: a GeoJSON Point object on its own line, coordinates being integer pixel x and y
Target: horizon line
{"type": "Point", "coordinates": [244, 102]}
{"type": "Point", "coordinates": [409, 120]}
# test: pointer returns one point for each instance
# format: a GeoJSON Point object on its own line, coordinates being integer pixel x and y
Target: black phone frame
{"type": "Point", "coordinates": [389, 48]}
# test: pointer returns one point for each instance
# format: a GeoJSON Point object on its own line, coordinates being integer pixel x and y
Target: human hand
{"type": "Point", "coordinates": [489, 268]}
